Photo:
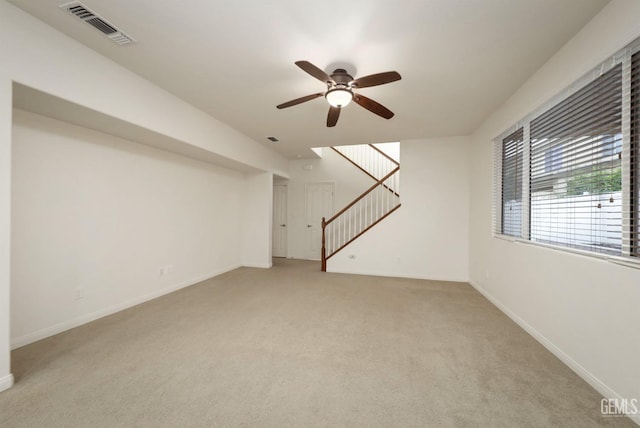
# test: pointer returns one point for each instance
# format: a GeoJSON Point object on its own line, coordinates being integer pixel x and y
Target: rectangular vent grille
{"type": "Point", "coordinates": [80, 11]}
{"type": "Point", "coordinates": [101, 25]}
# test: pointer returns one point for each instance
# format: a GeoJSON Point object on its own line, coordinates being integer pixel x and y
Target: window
{"type": "Point", "coordinates": [569, 174]}
{"type": "Point", "coordinates": [512, 147]}
{"type": "Point", "coordinates": [578, 202]}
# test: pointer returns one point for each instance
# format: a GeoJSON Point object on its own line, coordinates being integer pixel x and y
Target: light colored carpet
{"type": "Point", "coordinates": [291, 346]}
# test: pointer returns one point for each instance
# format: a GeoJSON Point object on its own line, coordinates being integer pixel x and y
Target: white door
{"type": "Point", "coordinates": [319, 204]}
{"type": "Point", "coordinates": [279, 221]}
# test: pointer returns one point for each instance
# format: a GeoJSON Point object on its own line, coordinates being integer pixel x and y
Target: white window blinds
{"type": "Point", "coordinates": [634, 191]}
{"type": "Point", "coordinates": [512, 158]}
{"type": "Point", "coordinates": [575, 171]}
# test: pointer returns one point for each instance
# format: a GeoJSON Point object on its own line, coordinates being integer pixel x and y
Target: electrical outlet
{"type": "Point", "coordinates": [78, 293]}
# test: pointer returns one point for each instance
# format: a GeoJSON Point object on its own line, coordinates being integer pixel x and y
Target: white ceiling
{"type": "Point", "coordinates": [459, 59]}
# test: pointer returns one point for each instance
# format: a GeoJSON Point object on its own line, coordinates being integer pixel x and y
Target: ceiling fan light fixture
{"type": "Point", "coordinates": [340, 91]}
{"type": "Point", "coordinates": [339, 97]}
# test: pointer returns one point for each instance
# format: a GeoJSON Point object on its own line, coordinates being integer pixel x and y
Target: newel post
{"type": "Point", "coordinates": [324, 250]}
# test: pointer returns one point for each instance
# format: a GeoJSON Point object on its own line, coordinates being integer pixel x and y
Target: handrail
{"type": "Point", "coordinates": [365, 193]}
{"type": "Point", "coordinates": [384, 154]}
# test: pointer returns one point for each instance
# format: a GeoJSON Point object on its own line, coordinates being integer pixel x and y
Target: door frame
{"type": "Point", "coordinates": [306, 210]}
{"type": "Point", "coordinates": [286, 220]}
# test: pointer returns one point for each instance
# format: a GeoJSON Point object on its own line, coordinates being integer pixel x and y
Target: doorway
{"type": "Point", "coordinates": [319, 203]}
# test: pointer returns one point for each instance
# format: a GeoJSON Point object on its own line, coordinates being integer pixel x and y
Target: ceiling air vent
{"type": "Point", "coordinates": [80, 11]}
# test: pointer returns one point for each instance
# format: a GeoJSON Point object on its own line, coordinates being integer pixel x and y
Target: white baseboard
{"type": "Point", "coordinates": [592, 380]}
{"type": "Point", "coordinates": [83, 319]}
{"type": "Point", "coordinates": [397, 275]}
{"type": "Point", "coordinates": [6, 382]}
{"type": "Point", "coordinates": [258, 265]}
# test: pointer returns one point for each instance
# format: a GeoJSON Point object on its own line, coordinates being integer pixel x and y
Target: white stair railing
{"type": "Point", "coordinates": [362, 214]}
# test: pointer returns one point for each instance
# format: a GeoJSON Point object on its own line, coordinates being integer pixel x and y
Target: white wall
{"type": "Point", "coordinates": [102, 214]}
{"type": "Point", "coordinates": [257, 196]}
{"type": "Point", "coordinates": [349, 181]}
{"type": "Point", "coordinates": [40, 57]}
{"type": "Point", "coordinates": [585, 310]}
{"type": "Point", "coordinates": [427, 237]}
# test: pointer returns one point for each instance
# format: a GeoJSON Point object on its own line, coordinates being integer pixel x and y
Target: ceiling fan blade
{"type": "Point", "coordinates": [332, 117]}
{"type": "Point", "coordinates": [314, 71]}
{"type": "Point", "coordinates": [376, 79]}
{"type": "Point", "coordinates": [300, 100]}
{"type": "Point", "coordinates": [373, 106]}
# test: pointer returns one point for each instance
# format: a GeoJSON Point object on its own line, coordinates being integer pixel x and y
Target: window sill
{"type": "Point", "coordinates": [507, 238]}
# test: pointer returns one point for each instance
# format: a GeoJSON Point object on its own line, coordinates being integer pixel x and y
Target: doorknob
{"type": "Point", "coordinates": [282, 225]}
{"type": "Point", "coordinates": [309, 225]}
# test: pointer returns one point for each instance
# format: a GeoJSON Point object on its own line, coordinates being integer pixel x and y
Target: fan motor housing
{"type": "Point", "coordinates": [341, 77]}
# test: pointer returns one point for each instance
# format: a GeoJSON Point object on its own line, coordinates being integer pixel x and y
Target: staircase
{"type": "Point", "coordinates": [368, 209]}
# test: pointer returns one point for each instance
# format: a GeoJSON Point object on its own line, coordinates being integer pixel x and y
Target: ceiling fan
{"type": "Point", "coordinates": [340, 91]}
